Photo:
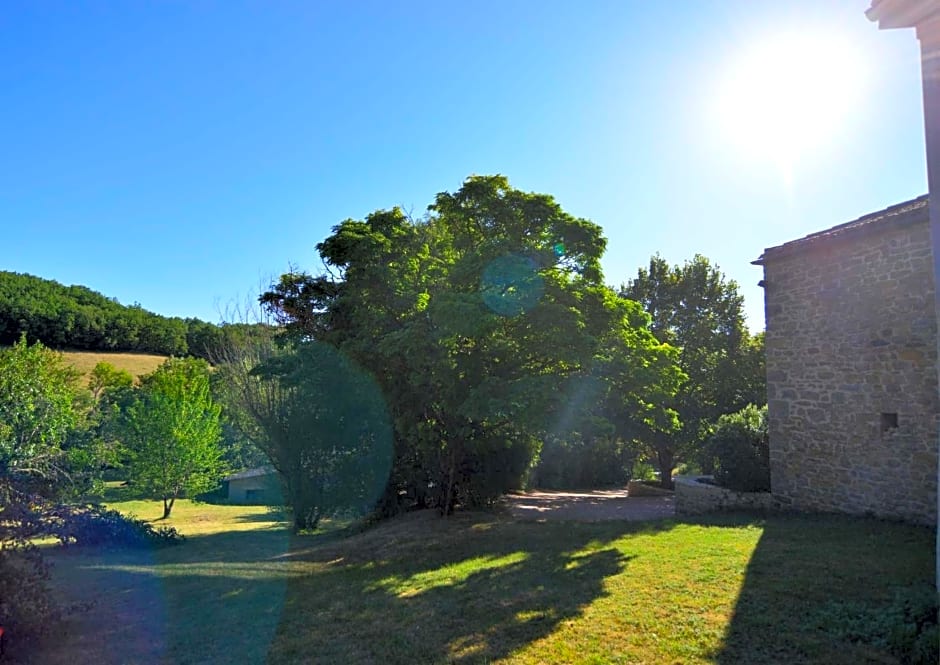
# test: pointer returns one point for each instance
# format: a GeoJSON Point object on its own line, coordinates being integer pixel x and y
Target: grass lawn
{"type": "Point", "coordinates": [481, 588]}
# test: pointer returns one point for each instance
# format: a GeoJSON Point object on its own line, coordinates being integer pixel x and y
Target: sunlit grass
{"type": "Point", "coordinates": [481, 588]}
{"type": "Point", "coordinates": [196, 518]}
{"type": "Point", "coordinates": [135, 363]}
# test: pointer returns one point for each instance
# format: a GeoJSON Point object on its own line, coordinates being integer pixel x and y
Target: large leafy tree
{"type": "Point", "coordinates": [38, 409]}
{"type": "Point", "coordinates": [695, 308]}
{"type": "Point", "coordinates": [172, 431]}
{"type": "Point", "coordinates": [478, 321]}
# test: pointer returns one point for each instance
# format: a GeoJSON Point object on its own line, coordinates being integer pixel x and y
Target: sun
{"type": "Point", "coordinates": [786, 97]}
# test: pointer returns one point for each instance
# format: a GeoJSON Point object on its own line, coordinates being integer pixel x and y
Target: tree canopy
{"type": "Point", "coordinates": [37, 410]}
{"type": "Point", "coordinates": [694, 308]}
{"type": "Point", "coordinates": [482, 322]}
{"type": "Point", "coordinates": [172, 430]}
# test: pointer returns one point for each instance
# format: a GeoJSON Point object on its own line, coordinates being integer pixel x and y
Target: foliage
{"type": "Point", "coordinates": [741, 447]}
{"type": "Point", "coordinates": [320, 420]}
{"type": "Point", "coordinates": [172, 431]}
{"type": "Point", "coordinates": [106, 377]}
{"type": "Point", "coordinates": [238, 451]}
{"type": "Point", "coordinates": [694, 308]}
{"type": "Point", "coordinates": [483, 323]}
{"type": "Point", "coordinates": [575, 463]}
{"type": "Point", "coordinates": [96, 526]}
{"type": "Point", "coordinates": [37, 410]}
{"type": "Point", "coordinates": [76, 317]}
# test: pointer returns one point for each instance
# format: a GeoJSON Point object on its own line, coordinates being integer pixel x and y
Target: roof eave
{"type": "Point", "coordinates": [890, 14]}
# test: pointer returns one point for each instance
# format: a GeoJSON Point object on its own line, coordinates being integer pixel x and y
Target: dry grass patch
{"type": "Point", "coordinates": [135, 363]}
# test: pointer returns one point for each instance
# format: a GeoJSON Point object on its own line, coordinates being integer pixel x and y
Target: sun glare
{"type": "Point", "coordinates": [786, 97]}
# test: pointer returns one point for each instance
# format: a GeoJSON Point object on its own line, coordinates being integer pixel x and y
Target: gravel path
{"type": "Point", "coordinates": [588, 506]}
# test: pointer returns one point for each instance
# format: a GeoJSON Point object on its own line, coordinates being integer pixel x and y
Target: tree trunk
{"type": "Point", "coordinates": [306, 512]}
{"type": "Point", "coordinates": [449, 495]}
{"type": "Point", "coordinates": [307, 520]}
{"type": "Point", "coordinates": [168, 506]}
{"type": "Point", "coordinates": [667, 463]}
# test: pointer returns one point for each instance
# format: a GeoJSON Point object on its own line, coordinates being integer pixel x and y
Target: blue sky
{"type": "Point", "coordinates": [180, 155]}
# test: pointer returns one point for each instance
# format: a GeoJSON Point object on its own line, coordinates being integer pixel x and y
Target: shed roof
{"type": "Point", "coordinates": [900, 214]}
{"type": "Point", "coordinates": [252, 473]}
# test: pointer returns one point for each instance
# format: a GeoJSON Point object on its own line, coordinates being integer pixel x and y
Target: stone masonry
{"type": "Point", "coordinates": [851, 367]}
{"type": "Point", "coordinates": [696, 495]}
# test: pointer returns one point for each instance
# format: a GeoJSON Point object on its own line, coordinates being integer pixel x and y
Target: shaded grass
{"type": "Point", "coordinates": [481, 588]}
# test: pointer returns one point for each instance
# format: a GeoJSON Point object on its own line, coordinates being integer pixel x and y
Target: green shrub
{"type": "Point", "coordinates": [95, 526]}
{"type": "Point", "coordinates": [643, 470]}
{"type": "Point", "coordinates": [740, 446]}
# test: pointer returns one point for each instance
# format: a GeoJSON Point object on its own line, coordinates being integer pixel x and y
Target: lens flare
{"type": "Point", "coordinates": [511, 285]}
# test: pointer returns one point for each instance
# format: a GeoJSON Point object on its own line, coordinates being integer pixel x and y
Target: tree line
{"type": "Point", "coordinates": [76, 317]}
{"type": "Point", "coordinates": [436, 362]}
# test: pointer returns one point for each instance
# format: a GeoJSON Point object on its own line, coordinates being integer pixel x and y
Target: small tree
{"type": "Point", "coordinates": [172, 431]}
{"type": "Point", "coordinates": [320, 419]}
{"type": "Point", "coordinates": [106, 376]}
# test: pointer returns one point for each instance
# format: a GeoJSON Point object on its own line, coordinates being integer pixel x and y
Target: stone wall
{"type": "Point", "coordinates": [639, 488]}
{"type": "Point", "coordinates": [851, 368]}
{"type": "Point", "coordinates": [695, 498]}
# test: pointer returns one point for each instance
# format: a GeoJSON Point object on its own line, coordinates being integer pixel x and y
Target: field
{"type": "Point", "coordinates": [135, 363]}
{"type": "Point", "coordinates": [483, 588]}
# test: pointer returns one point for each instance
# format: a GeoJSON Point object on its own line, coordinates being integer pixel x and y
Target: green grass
{"type": "Point", "coordinates": [482, 588]}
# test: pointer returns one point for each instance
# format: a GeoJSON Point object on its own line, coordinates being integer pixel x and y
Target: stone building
{"type": "Point", "coordinates": [260, 486]}
{"type": "Point", "coordinates": [851, 367]}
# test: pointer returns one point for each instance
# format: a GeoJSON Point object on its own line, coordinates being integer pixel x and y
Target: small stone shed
{"type": "Point", "coordinates": [851, 367]}
{"type": "Point", "coordinates": [261, 486]}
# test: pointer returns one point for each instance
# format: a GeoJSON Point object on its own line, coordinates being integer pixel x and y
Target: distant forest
{"type": "Point", "coordinates": [75, 317]}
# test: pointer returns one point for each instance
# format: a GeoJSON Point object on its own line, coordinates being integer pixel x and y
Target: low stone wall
{"type": "Point", "coordinates": [639, 488]}
{"type": "Point", "coordinates": [694, 497]}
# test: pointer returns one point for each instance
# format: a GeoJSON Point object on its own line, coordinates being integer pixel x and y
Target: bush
{"type": "Point", "coordinates": [95, 526]}
{"type": "Point", "coordinates": [740, 445]}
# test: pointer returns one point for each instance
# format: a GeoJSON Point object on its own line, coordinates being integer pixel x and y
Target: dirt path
{"type": "Point", "coordinates": [588, 506]}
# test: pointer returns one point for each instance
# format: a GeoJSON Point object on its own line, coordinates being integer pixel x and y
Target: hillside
{"type": "Point", "coordinates": [76, 317]}
{"type": "Point", "coordinates": [135, 363]}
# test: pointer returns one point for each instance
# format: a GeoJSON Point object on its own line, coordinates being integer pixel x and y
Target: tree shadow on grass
{"type": "Point", "coordinates": [467, 593]}
{"type": "Point", "coordinates": [271, 514]}
{"type": "Point", "coordinates": [212, 599]}
{"type": "Point", "coordinates": [807, 569]}
{"type": "Point", "coordinates": [467, 589]}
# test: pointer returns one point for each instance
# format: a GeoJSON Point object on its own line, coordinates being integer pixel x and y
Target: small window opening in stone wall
{"type": "Point", "coordinates": [889, 421]}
